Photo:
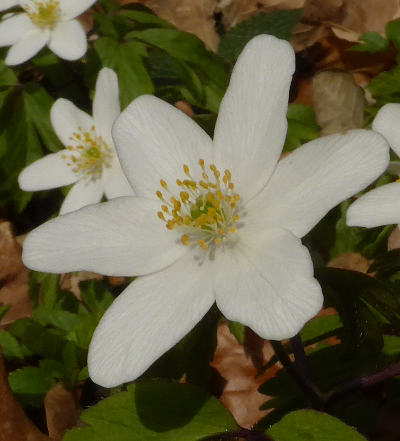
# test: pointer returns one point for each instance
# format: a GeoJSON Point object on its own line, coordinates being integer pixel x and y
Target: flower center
{"type": "Point", "coordinates": [44, 13]}
{"type": "Point", "coordinates": [89, 153]}
{"type": "Point", "coordinates": [205, 211]}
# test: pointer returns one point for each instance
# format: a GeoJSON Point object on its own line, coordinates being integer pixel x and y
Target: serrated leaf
{"type": "Point", "coordinates": [278, 23]}
{"type": "Point", "coordinates": [10, 346]}
{"type": "Point", "coordinates": [30, 385]}
{"type": "Point", "coordinates": [154, 411]}
{"type": "Point", "coordinates": [127, 60]}
{"type": "Point", "coordinates": [311, 425]}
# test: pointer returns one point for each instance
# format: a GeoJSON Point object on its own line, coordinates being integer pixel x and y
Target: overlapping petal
{"type": "Point", "coordinates": [7, 4]}
{"type": "Point", "coordinates": [387, 122]}
{"type": "Point", "coordinates": [115, 183]}
{"type": "Point", "coordinates": [83, 193]}
{"type": "Point", "coordinates": [266, 282]}
{"type": "Point", "coordinates": [251, 126]}
{"type": "Point", "coordinates": [27, 46]}
{"type": "Point", "coordinates": [66, 118]}
{"type": "Point", "coordinates": [147, 319]}
{"type": "Point", "coordinates": [380, 206]}
{"type": "Point", "coordinates": [106, 105]}
{"type": "Point", "coordinates": [122, 237]}
{"type": "Point", "coordinates": [51, 171]}
{"type": "Point", "coordinates": [14, 28]}
{"type": "Point", "coordinates": [68, 40]}
{"type": "Point", "coordinates": [154, 140]}
{"type": "Point", "coordinates": [316, 177]}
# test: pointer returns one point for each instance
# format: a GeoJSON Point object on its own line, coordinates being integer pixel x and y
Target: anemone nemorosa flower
{"type": "Point", "coordinates": [381, 205]}
{"type": "Point", "coordinates": [212, 221]}
{"type": "Point", "coordinates": [44, 22]}
{"type": "Point", "coordinates": [89, 160]}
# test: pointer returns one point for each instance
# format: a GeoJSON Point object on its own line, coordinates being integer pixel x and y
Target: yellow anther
{"type": "Point", "coordinates": [203, 184]}
{"type": "Point", "coordinates": [232, 229]}
{"type": "Point", "coordinates": [184, 196]}
{"type": "Point", "coordinates": [201, 162]}
{"type": "Point", "coordinates": [235, 218]}
{"type": "Point", "coordinates": [161, 216]}
{"type": "Point", "coordinates": [222, 232]}
{"type": "Point", "coordinates": [179, 182]}
{"type": "Point", "coordinates": [185, 239]}
{"type": "Point", "coordinates": [203, 245]}
{"type": "Point", "coordinates": [186, 170]}
{"type": "Point", "coordinates": [163, 184]}
{"type": "Point", "coordinates": [164, 208]}
{"type": "Point", "coordinates": [236, 197]}
{"type": "Point", "coordinates": [217, 240]}
{"type": "Point", "coordinates": [220, 195]}
{"type": "Point", "coordinates": [159, 195]}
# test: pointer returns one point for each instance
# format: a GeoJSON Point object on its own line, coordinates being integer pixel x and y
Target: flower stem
{"type": "Point", "coordinates": [300, 358]}
{"type": "Point", "coordinates": [303, 381]}
{"type": "Point", "coordinates": [365, 381]}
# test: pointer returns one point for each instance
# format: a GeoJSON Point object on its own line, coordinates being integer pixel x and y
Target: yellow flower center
{"type": "Point", "coordinates": [44, 13]}
{"type": "Point", "coordinates": [89, 153]}
{"type": "Point", "coordinates": [205, 211]}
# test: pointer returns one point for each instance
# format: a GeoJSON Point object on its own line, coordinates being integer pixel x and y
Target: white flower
{"type": "Point", "coordinates": [7, 4]}
{"type": "Point", "coordinates": [44, 22]}
{"type": "Point", "coordinates": [89, 160]}
{"type": "Point", "coordinates": [213, 221]}
{"type": "Point", "coordinates": [381, 206]}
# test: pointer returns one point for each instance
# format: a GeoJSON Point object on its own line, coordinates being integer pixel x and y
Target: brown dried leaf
{"type": "Point", "coordinates": [239, 366]}
{"type": "Point", "coordinates": [62, 411]}
{"type": "Point", "coordinates": [14, 424]}
{"type": "Point", "coordinates": [338, 102]}
{"type": "Point", "coordinates": [70, 281]}
{"type": "Point", "coordinates": [351, 261]}
{"type": "Point", "coordinates": [14, 279]}
{"type": "Point", "coordinates": [394, 240]}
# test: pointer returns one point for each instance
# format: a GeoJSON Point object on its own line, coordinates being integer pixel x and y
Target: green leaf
{"type": "Point", "coordinates": [30, 385]}
{"type": "Point", "coordinates": [302, 126]}
{"type": "Point", "coordinates": [278, 23]}
{"type": "Point", "coordinates": [63, 320]}
{"type": "Point", "coordinates": [372, 42]}
{"type": "Point", "coordinates": [393, 32]}
{"type": "Point", "coordinates": [152, 411]}
{"type": "Point", "coordinates": [3, 311]}
{"type": "Point", "coordinates": [7, 76]}
{"type": "Point", "coordinates": [385, 88]}
{"type": "Point", "coordinates": [238, 330]}
{"type": "Point", "coordinates": [319, 327]}
{"type": "Point", "coordinates": [10, 346]}
{"type": "Point", "coordinates": [96, 295]}
{"type": "Point", "coordinates": [311, 425]}
{"type": "Point", "coordinates": [127, 60]}
{"type": "Point", "coordinates": [143, 16]}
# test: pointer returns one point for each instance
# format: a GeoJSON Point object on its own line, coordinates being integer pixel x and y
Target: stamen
{"type": "Point", "coordinates": [44, 13]}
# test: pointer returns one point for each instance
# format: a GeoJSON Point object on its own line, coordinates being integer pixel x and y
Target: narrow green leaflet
{"type": "Point", "coordinates": [152, 411]}
{"type": "Point", "coordinates": [127, 60]}
{"type": "Point", "coordinates": [10, 346]}
{"type": "Point", "coordinates": [310, 425]}
{"type": "Point", "coordinates": [278, 23]}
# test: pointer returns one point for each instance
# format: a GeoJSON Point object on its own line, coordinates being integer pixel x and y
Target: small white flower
{"type": "Point", "coordinates": [44, 22]}
{"type": "Point", "coordinates": [89, 160]}
{"type": "Point", "coordinates": [7, 4]}
{"type": "Point", "coordinates": [213, 221]}
{"type": "Point", "coordinates": [381, 206]}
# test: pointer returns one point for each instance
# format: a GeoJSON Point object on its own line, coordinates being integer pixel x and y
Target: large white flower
{"type": "Point", "coordinates": [213, 221]}
{"type": "Point", "coordinates": [89, 160]}
{"type": "Point", "coordinates": [44, 22]}
{"type": "Point", "coordinates": [381, 206]}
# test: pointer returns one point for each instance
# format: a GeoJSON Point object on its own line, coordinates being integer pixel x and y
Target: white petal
{"type": "Point", "coordinates": [267, 283]}
{"type": "Point", "coordinates": [387, 122]}
{"type": "Point", "coordinates": [68, 40]}
{"type": "Point", "coordinates": [122, 237]}
{"type": "Point", "coordinates": [6, 4]}
{"type": "Point", "coordinates": [154, 140]}
{"type": "Point", "coordinates": [115, 183]}
{"type": "Point", "coordinates": [27, 47]}
{"type": "Point", "coordinates": [73, 8]}
{"type": "Point", "coordinates": [106, 106]}
{"type": "Point", "coordinates": [81, 194]}
{"type": "Point", "coordinates": [147, 319]}
{"type": "Point", "coordinates": [66, 118]}
{"type": "Point", "coordinates": [51, 171]}
{"type": "Point", "coordinates": [380, 206]}
{"type": "Point", "coordinates": [251, 126]}
{"type": "Point", "coordinates": [13, 28]}
{"type": "Point", "coordinates": [316, 177]}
